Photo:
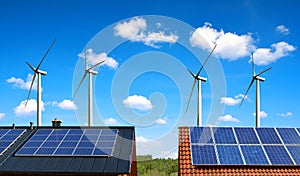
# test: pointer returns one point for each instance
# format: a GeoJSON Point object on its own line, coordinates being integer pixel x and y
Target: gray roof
{"type": "Point", "coordinates": [119, 163]}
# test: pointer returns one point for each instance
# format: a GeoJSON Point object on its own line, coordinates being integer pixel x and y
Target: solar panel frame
{"type": "Point", "coordinates": [204, 155]}
{"type": "Point", "coordinates": [278, 155]}
{"type": "Point", "coordinates": [289, 135]}
{"type": "Point", "coordinates": [254, 155]}
{"type": "Point", "coordinates": [294, 150]}
{"type": "Point", "coordinates": [8, 137]}
{"type": "Point", "coordinates": [268, 136]}
{"type": "Point", "coordinates": [224, 135]}
{"type": "Point", "coordinates": [251, 136]}
{"type": "Point", "coordinates": [232, 156]}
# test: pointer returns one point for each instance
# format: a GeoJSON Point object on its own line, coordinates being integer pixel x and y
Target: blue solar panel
{"type": "Point", "coordinates": [246, 136]}
{"type": "Point", "coordinates": [8, 137]}
{"type": "Point", "coordinates": [268, 136]}
{"type": "Point", "coordinates": [289, 135]}
{"type": "Point", "coordinates": [70, 142]}
{"type": "Point", "coordinates": [201, 135]}
{"type": "Point", "coordinates": [229, 154]}
{"type": "Point", "coordinates": [254, 154]}
{"type": "Point", "coordinates": [203, 154]}
{"type": "Point", "coordinates": [277, 154]}
{"type": "Point", "coordinates": [224, 136]}
{"type": "Point", "coordinates": [295, 152]}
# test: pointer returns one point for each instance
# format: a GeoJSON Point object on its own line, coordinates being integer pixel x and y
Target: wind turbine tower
{"type": "Point", "coordinates": [199, 80]}
{"type": "Point", "coordinates": [258, 79]}
{"type": "Point", "coordinates": [38, 73]}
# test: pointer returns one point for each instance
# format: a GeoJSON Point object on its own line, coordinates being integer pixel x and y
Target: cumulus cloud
{"type": "Point", "coordinates": [161, 121]}
{"type": "Point", "coordinates": [265, 56]}
{"type": "Point", "coordinates": [228, 118]}
{"type": "Point", "coordinates": [2, 115]}
{"type": "Point", "coordinates": [229, 101]}
{"type": "Point", "coordinates": [287, 114]}
{"type": "Point", "coordinates": [141, 139]}
{"type": "Point", "coordinates": [23, 84]}
{"type": "Point", "coordinates": [94, 58]}
{"type": "Point", "coordinates": [29, 110]}
{"type": "Point", "coordinates": [283, 30]}
{"type": "Point", "coordinates": [111, 121]}
{"type": "Point", "coordinates": [138, 102]}
{"type": "Point", "coordinates": [263, 114]}
{"type": "Point", "coordinates": [135, 30]}
{"type": "Point", "coordinates": [230, 46]}
{"type": "Point", "coordinates": [66, 105]}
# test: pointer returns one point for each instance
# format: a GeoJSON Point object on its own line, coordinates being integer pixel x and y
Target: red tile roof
{"type": "Point", "coordinates": [185, 166]}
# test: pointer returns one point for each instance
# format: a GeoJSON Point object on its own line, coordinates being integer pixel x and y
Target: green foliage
{"type": "Point", "coordinates": [156, 167]}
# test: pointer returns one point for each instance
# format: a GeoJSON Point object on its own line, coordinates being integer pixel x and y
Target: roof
{"type": "Point", "coordinates": [185, 166]}
{"type": "Point", "coordinates": [119, 163]}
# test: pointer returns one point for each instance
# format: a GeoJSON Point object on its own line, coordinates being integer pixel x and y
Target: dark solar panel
{"type": "Point", "coordinates": [246, 135]}
{"type": "Point", "coordinates": [224, 136]}
{"type": "Point", "coordinates": [254, 154]}
{"type": "Point", "coordinates": [201, 135]}
{"type": "Point", "coordinates": [295, 152]}
{"type": "Point", "coordinates": [289, 135]}
{"type": "Point", "coordinates": [8, 137]}
{"type": "Point", "coordinates": [70, 142]}
{"type": "Point", "coordinates": [229, 154]}
{"type": "Point", "coordinates": [203, 154]}
{"type": "Point", "coordinates": [277, 154]}
{"type": "Point", "coordinates": [268, 136]}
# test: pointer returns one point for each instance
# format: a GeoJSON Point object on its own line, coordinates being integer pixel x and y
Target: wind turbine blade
{"type": "Point", "coordinates": [206, 60]}
{"type": "Point", "coordinates": [32, 68]}
{"type": "Point", "coordinates": [95, 65]}
{"type": "Point", "coordinates": [79, 85]}
{"type": "Point", "coordinates": [263, 71]}
{"type": "Point", "coordinates": [85, 60]}
{"type": "Point", "coordinates": [45, 54]}
{"type": "Point", "coordinates": [191, 73]}
{"type": "Point", "coordinates": [33, 78]}
{"type": "Point", "coordinates": [253, 71]}
{"type": "Point", "coordinates": [252, 81]}
{"type": "Point", "coordinates": [190, 96]}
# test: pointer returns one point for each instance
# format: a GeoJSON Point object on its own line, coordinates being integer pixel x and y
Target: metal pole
{"type": "Point", "coordinates": [257, 104]}
{"type": "Point", "coordinates": [90, 101]}
{"type": "Point", "coordinates": [39, 95]}
{"type": "Point", "coordinates": [199, 108]}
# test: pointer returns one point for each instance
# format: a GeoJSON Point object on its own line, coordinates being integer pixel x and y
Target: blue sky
{"type": "Point", "coordinates": [151, 94]}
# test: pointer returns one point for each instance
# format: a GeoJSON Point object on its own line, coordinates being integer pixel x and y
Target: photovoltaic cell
{"type": "Point", "coordinates": [224, 136]}
{"type": "Point", "coordinates": [268, 136]}
{"type": "Point", "coordinates": [8, 137]}
{"type": "Point", "coordinates": [246, 136]}
{"type": "Point", "coordinates": [229, 154]}
{"type": "Point", "coordinates": [70, 142]}
{"type": "Point", "coordinates": [254, 154]}
{"type": "Point", "coordinates": [201, 135]}
{"type": "Point", "coordinates": [295, 152]}
{"type": "Point", "coordinates": [277, 154]}
{"type": "Point", "coordinates": [203, 154]}
{"type": "Point", "coordinates": [289, 135]}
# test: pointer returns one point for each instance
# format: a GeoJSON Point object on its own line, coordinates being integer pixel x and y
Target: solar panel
{"type": "Point", "coordinates": [277, 154]}
{"type": "Point", "coordinates": [254, 154]}
{"type": "Point", "coordinates": [295, 152]}
{"type": "Point", "coordinates": [224, 135]}
{"type": "Point", "coordinates": [203, 154]}
{"type": "Point", "coordinates": [201, 135]}
{"type": "Point", "coordinates": [229, 154]}
{"type": "Point", "coordinates": [8, 137]}
{"type": "Point", "coordinates": [70, 142]}
{"type": "Point", "coordinates": [289, 135]}
{"type": "Point", "coordinates": [268, 136]}
{"type": "Point", "coordinates": [249, 132]}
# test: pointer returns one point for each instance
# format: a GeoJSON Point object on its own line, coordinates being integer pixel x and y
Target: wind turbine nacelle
{"type": "Point", "coordinates": [202, 79]}
{"type": "Point", "coordinates": [259, 78]}
{"type": "Point", "coordinates": [42, 72]}
{"type": "Point", "coordinates": [93, 72]}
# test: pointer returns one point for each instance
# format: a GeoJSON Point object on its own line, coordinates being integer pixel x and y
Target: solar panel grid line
{"type": "Point", "coordinates": [78, 143]}
{"type": "Point", "coordinates": [240, 150]}
{"type": "Point", "coordinates": [10, 142]}
{"type": "Point", "coordinates": [278, 155]}
{"type": "Point", "coordinates": [97, 141]}
{"type": "Point", "coordinates": [43, 141]}
{"type": "Point", "coordinates": [61, 141]}
{"type": "Point", "coordinates": [285, 147]}
{"type": "Point", "coordinates": [268, 159]}
{"type": "Point", "coordinates": [217, 154]}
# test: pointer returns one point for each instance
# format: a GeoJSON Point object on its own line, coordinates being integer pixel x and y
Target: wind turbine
{"type": "Point", "coordinates": [198, 79]}
{"type": "Point", "coordinates": [90, 72]}
{"type": "Point", "coordinates": [39, 85]}
{"type": "Point", "coordinates": [257, 78]}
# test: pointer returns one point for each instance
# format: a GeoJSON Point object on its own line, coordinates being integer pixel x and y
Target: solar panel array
{"type": "Point", "coordinates": [70, 142]}
{"type": "Point", "coordinates": [245, 146]}
{"type": "Point", "coordinates": [8, 137]}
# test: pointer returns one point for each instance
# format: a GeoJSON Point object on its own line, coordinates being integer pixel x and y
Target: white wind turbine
{"type": "Point", "coordinates": [39, 85]}
{"type": "Point", "coordinates": [199, 79]}
{"type": "Point", "coordinates": [257, 78]}
{"type": "Point", "coordinates": [90, 72]}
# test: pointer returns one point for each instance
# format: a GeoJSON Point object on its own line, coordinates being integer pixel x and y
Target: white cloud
{"type": "Point", "coordinates": [287, 114]}
{"type": "Point", "coordinates": [229, 101]}
{"type": "Point", "coordinates": [283, 29]}
{"type": "Point", "coordinates": [263, 114]}
{"type": "Point", "coordinates": [23, 84]}
{"type": "Point", "coordinates": [2, 115]}
{"type": "Point", "coordinates": [161, 121]}
{"type": "Point", "coordinates": [168, 154]}
{"type": "Point", "coordinates": [141, 139]}
{"type": "Point", "coordinates": [229, 45]}
{"type": "Point", "coordinates": [265, 56]}
{"type": "Point", "coordinates": [66, 105]}
{"type": "Point", "coordinates": [228, 118]}
{"type": "Point", "coordinates": [138, 102]}
{"type": "Point", "coordinates": [136, 31]}
{"type": "Point", "coordinates": [29, 110]}
{"type": "Point", "coordinates": [93, 58]}
{"type": "Point", "coordinates": [111, 121]}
